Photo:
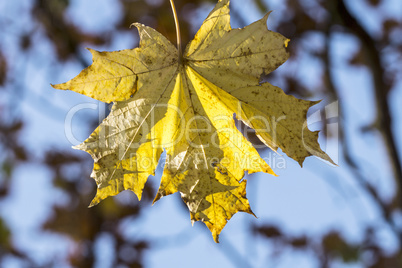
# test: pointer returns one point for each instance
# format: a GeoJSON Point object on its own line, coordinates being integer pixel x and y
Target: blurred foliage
{"type": "Point", "coordinates": [13, 153]}
{"type": "Point", "coordinates": [66, 37]}
{"type": "Point", "coordinates": [3, 69]}
{"type": "Point", "coordinates": [330, 247]}
{"type": "Point", "coordinates": [84, 226]}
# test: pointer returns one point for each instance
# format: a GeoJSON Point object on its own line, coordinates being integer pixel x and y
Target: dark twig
{"type": "Point", "coordinates": [381, 87]}
{"type": "Point", "coordinates": [345, 148]}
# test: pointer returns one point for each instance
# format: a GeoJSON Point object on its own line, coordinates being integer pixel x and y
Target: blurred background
{"type": "Point", "coordinates": [347, 53]}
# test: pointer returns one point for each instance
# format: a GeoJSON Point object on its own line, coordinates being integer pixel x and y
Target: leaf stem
{"type": "Point", "coordinates": [176, 21]}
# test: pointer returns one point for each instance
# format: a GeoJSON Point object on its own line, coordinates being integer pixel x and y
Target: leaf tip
{"type": "Point", "coordinates": [157, 197]}
{"type": "Point", "coordinates": [59, 86]}
{"type": "Point", "coordinates": [265, 18]}
{"type": "Point", "coordinates": [93, 51]}
{"type": "Point", "coordinates": [286, 42]}
{"type": "Point", "coordinates": [137, 25]}
{"type": "Point", "coordinates": [78, 147]}
{"type": "Point", "coordinates": [93, 203]}
{"type": "Point", "coordinates": [224, 2]}
{"type": "Point", "coordinates": [329, 159]}
{"type": "Point", "coordinates": [252, 213]}
{"type": "Point", "coordinates": [270, 171]}
{"type": "Point", "coordinates": [216, 238]}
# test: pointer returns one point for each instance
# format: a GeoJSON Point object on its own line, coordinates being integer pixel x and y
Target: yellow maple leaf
{"type": "Point", "coordinates": [185, 106]}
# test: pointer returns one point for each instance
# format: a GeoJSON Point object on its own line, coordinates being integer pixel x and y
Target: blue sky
{"type": "Point", "coordinates": [311, 200]}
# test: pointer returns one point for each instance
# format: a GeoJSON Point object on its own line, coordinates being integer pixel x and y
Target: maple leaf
{"type": "Point", "coordinates": [185, 106]}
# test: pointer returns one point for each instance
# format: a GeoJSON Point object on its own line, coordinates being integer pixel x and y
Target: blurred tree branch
{"type": "Point", "coordinates": [384, 119]}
